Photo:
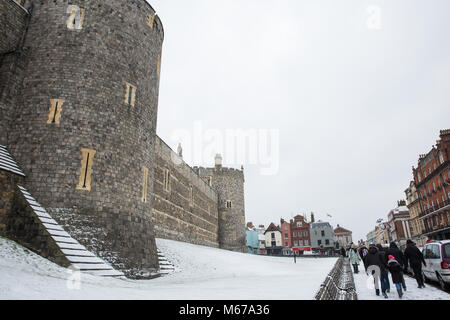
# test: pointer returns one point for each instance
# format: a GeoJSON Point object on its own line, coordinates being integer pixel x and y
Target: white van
{"type": "Point", "coordinates": [437, 257]}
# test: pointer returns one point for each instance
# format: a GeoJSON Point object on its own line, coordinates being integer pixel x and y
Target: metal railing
{"type": "Point", "coordinates": [339, 284]}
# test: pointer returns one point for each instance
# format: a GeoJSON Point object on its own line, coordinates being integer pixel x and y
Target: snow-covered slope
{"type": "Point", "coordinates": [201, 273]}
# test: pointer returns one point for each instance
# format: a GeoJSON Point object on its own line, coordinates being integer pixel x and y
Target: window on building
{"type": "Point", "coordinates": [319, 242]}
{"type": "Point", "coordinates": [158, 67]}
{"type": "Point", "coordinates": [234, 235]}
{"type": "Point", "coordinates": [286, 236]}
{"type": "Point", "coordinates": [76, 17]}
{"type": "Point", "coordinates": [327, 242]}
{"type": "Point", "coordinates": [144, 185]}
{"type": "Point", "coordinates": [130, 94]}
{"type": "Point", "coordinates": [54, 115]}
{"type": "Point", "coordinates": [273, 243]}
{"type": "Point", "coordinates": [167, 179]}
{"type": "Point", "coordinates": [299, 224]}
{"type": "Point", "coordinates": [306, 233]}
{"type": "Point", "coordinates": [300, 242]}
{"type": "Point", "coordinates": [191, 196]}
{"type": "Point", "coordinates": [434, 186]}
{"type": "Point", "coordinates": [286, 244]}
{"type": "Point", "coordinates": [151, 19]}
{"type": "Point", "coordinates": [322, 233]}
{"type": "Point", "coordinates": [295, 243]}
{"type": "Point", "coordinates": [429, 171]}
{"type": "Point", "coordinates": [441, 157]}
{"type": "Point", "coordinates": [272, 235]}
{"type": "Point", "coordinates": [229, 203]}
{"type": "Point", "coordinates": [85, 178]}
{"type": "Point", "coordinates": [306, 242]}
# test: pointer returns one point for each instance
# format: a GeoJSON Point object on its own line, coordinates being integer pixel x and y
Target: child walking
{"type": "Point", "coordinates": [396, 272]}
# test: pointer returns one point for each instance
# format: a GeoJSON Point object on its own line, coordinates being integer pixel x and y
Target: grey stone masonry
{"type": "Point", "coordinates": [13, 19]}
{"type": "Point", "coordinates": [84, 122]}
{"type": "Point", "coordinates": [10, 176]}
{"type": "Point", "coordinates": [185, 206]}
{"type": "Point", "coordinates": [229, 185]}
{"type": "Point", "coordinates": [31, 225]}
{"type": "Point", "coordinates": [13, 22]}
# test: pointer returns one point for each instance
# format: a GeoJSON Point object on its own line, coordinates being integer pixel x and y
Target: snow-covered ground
{"type": "Point", "coordinates": [202, 273]}
{"type": "Point", "coordinates": [412, 293]}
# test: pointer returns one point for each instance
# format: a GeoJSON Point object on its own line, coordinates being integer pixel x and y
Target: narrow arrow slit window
{"type": "Point", "coordinates": [87, 160]}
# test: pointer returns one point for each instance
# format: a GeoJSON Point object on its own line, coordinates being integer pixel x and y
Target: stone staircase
{"type": "Point", "coordinates": [165, 266]}
{"type": "Point", "coordinates": [76, 254]}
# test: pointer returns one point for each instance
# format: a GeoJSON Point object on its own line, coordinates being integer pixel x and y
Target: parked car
{"type": "Point", "coordinates": [437, 257]}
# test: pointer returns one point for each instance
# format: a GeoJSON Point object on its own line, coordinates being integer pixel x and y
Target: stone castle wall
{"type": "Point", "coordinates": [79, 101]}
{"type": "Point", "coordinates": [177, 213]}
{"type": "Point", "coordinates": [85, 120]}
{"type": "Point", "coordinates": [13, 21]}
{"type": "Point", "coordinates": [8, 188]}
{"type": "Point", "coordinates": [229, 185]}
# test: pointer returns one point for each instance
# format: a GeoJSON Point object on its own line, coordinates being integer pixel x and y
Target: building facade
{"type": "Point", "coordinates": [286, 237]}
{"type": "Point", "coordinates": [416, 224]}
{"type": "Point", "coordinates": [343, 237]}
{"type": "Point", "coordinates": [301, 235]}
{"type": "Point", "coordinates": [432, 178]}
{"type": "Point", "coordinates": [383, 233]}
{"type": "Point", "coordinates": [322, 237]}
{"type": "Point", "coordinates": [252, 242]}
{"type": "Point", "coordinates": [273, 240]}
{"type": "Point", "coordinates": [372, 237]}
{"type": "Point", "coordinates": [398, 220]}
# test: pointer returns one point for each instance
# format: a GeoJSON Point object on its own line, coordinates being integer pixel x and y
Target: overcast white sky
{"type": "Point", "coordinates": [354, 106]}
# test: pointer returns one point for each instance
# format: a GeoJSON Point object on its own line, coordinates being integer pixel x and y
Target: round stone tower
{"type": "Point", "coordinates": [229, 186]}
{"type": "Point", "coordinates": [83, 128]}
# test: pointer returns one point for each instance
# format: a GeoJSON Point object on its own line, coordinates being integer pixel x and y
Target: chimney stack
{"type": "Point", "coordinates": [218, 161]}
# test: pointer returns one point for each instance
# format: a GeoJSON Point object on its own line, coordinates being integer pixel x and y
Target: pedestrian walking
{"type": "Point", "coordinates": [354, 258]}
{"type": "Point", "coordinates": [394, 251]}
{"type": "Point", "coordinates": [373, 258]}
{"type": "Point", "coordinates": [343, 253]}
{"type": "Point", "coordinates": [415, 259]}
{"type": "Point", "coordinates": [395, 269]}
{"type": "Point", "coordinates": [384, 276]}
{"type": "Point", "coordinates": [362, 251]}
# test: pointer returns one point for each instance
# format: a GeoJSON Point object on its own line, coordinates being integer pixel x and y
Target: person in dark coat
{"type": "Point", "coordinates": [394, 251]}
{"type": "Point", "coordinates": [384, 276]}
{"type": "Point", "coordinates": [373, 258]}
{"type": "Point", "coordinates": [396, 272]}
{"type": "Point", "coordinates": [415, 259]}
{"type": "Point", "coordinates": [362, 252]}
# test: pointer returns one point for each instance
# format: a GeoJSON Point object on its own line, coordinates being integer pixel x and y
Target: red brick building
{"type": "Point", "coordinates": [300, 234]}
{"type": "Point", "coordinates": [432, 177]}
{"type": "Point", "coordinates": [398, 220]}
{"type": "Point", "coordinates": [286, 237]}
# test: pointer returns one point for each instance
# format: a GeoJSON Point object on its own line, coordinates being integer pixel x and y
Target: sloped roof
{"type": "Point", "coordinates": [341, 230]}
{"type": "Point", "coordinates": [272, 227]}
{"type": "Point", "coordinates": [7, 162]}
